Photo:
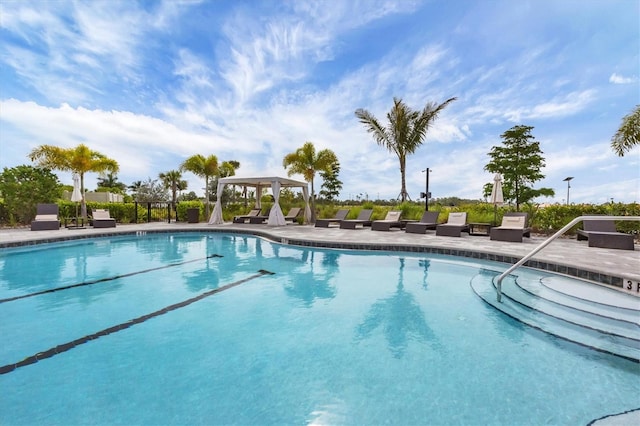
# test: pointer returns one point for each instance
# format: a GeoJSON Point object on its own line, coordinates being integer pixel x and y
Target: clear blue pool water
{"type": "Point", "coordinates": [331, 337]}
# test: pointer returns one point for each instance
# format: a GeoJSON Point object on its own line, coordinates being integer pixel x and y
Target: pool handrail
{"type": "Point", "coordinates": [549, 240]}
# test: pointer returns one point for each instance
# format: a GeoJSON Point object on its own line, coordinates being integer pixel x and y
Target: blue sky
{"type": "Point", "coordinates": [151, 83]}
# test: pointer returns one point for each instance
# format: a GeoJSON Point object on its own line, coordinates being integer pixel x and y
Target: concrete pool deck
{"type": "Point", "coordinates": [568, 254]}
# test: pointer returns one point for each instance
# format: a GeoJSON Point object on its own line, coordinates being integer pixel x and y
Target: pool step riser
{"type": "Point", "coordinates": [538, 289]}
{"type": "Point", "coordinates": [571, 315]}
{"type": "Point", "coordinates": [601, 341]}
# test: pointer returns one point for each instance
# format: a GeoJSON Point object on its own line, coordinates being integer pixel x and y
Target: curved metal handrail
{"type": "Point", "coordinates": [549, 240]}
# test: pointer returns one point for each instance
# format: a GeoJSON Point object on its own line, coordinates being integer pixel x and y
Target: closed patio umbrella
{"type": "Point", "coordinates": [497, 199]}
{"type": "Point", "coordinates": [76, 195]}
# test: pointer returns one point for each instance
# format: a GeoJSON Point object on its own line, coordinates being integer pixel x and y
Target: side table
{"type": "Point", "coordinates": [477, 228]}
{"type": "Point", "coordinates": [74, 223]}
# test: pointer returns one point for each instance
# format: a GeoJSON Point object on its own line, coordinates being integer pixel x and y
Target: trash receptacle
{"type": "Point", "coordinates": [193, 215]}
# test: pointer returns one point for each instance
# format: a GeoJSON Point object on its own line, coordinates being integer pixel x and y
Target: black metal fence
{"type": "Point", "coordinates": [155, 212]}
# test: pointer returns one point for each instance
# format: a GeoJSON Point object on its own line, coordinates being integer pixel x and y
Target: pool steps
{"type": "Point", "coordinates": [556, 306]}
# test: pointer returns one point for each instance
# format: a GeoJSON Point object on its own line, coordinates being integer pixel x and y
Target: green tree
{"type": "Point", "coordinates": [520, 162]}
{"type": "Point", "coordinates": [204, 167]}
{"type": "Point", "coordinates": [23, 187]}
{"type": "Point", "coordinates": [405, 131]}
{"type": "Point", "coordinates": [306, 162]}
{"type": "Point", "coordinates": [80, 160]}
{"type": "Point", "coordinates": [110, 181]}
{"type": "Point", "coordinates": [152, 191]}
{"type": "Point", "coordinates": [331, 185]}
{"type": "Point", "coordinates": [226, 169]}
{"type": "Point", "coordinates": [628, 135]}
{"type": "Point", "coordinates": [171, 180]}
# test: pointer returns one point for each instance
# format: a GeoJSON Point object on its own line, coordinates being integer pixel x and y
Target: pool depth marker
{"type": "Point", "coordinates": [70, 345]}
{"type": "Point", "coordinates": [101, 280]}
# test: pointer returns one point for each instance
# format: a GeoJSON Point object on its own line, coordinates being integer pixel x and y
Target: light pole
{"type": "Point", "coordinates": [426, 194]}
{"type": "Point", "coordinates": [568, 180]}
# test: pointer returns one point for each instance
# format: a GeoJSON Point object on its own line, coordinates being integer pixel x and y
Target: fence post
{"type": "Point", "coordinates": [169, 213]}
{"type": "Point", "coordinates": [135, 212]}
{"type": "Point", "coordinates": [148, 212]}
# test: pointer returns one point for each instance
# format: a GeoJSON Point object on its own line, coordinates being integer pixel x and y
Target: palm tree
{"type": "Point", "coordinates": [404, 133]}
{"type": "Point", "coordinates": [80, 160]}
{"type": "Point", "coordinates": [202, 166]}
{"type": "Point", "coordinates": [628, 135]}
{"type": "Point", "coordinates": [172, 179]}
{"type": "Point", "coordinates": [306, 162]}
{"type": "Point", "coordinates": [110, 180]}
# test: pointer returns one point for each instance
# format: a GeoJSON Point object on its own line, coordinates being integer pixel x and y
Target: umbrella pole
{"type": "Point", "coordinates": [495, 214]}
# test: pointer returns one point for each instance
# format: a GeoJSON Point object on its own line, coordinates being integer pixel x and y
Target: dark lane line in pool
{"type": "Point", "coordinates": [101, 280]}
{"type": "Point", "coordinates": [70, 345]}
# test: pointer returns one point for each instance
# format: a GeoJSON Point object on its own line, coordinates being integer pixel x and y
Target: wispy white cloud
{"type": "Point", "coordinates": [619, 79]}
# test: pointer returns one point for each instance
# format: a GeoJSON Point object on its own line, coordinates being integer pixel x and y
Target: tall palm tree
{"type": "Point", "coordinates": [80, 160]}
{"type": "Point", "coordinates": [628, 135]}
{"type": "Point", "coordinates": [171, 180]}
{"type": "Point", "coordinates": [306, 162]}
{"type": "Point", "coordinates": [202, 166]}
{"type": "Point", "coordinates": [404, 133]}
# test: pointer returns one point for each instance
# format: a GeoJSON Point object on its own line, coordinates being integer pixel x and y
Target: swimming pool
{"type": "Point", "coordinates": [276, 334]}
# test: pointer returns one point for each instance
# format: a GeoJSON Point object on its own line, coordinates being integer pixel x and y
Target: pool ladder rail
{"type": "Point", "coordinates": [590, 315]}
{"type": "Point", "coordinates": [549, 240]}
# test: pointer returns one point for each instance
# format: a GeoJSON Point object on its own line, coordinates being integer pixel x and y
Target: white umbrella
{"type": "Point", "coordinates": [76, 195]}
{"type": "Point", "coordinates": [497, 199]}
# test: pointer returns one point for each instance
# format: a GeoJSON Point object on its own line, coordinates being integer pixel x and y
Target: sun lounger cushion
{"type": "Point", "coordinates": [456, 224]}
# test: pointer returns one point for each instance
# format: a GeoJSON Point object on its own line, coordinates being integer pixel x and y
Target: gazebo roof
{"type": "Point", "coordinates": [262, 181]}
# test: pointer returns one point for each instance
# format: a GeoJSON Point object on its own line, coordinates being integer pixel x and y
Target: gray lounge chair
{"type": "Point", "coordinates": [514, 226]}
{"type": "Point", "coordinates": [429, 220]}
{"type": "Point", "coordinates": [102, 219]}
{"type": "Point", "coordinates": [46, 218]}
{"type": "Point", "coordinates": [456, 224]}
{"type": "Point", "coordinates": [339, 217]}
{"type": "Point", "coordinates": [260, 218]}
{"type": "Point", "coordinates": [364, 219]}
{"type": "Point", "coordinates": [602, 233]}
{"type": "Point", "coordinates": [293, 214]}
{"type": "Point", "coordinates": [391, 220]}
{"type": "Point", "coordinates": [245, 217]}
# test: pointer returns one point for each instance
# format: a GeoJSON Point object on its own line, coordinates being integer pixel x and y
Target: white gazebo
{"type": "Point", "coordinates": [276, 218]}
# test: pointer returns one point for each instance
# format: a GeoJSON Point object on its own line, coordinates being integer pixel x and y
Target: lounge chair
{"type": "Point", "coordinates": [102, 219]}
{"type": "Point", "coordinates": [391, 220]}
{"type": "Point", "coordinates": [339, 217]}
{"type": "Point", "coordinates": [46, 218]}
{"type": "Point", "coordinates": [260, 218]}
{"type": "Point", "coordinates": [364, 219]}
{"type": "Point", "coordinates": [244, 218]}
{"type": "Point", "coordinates": [293, 214]}
{"type": "Point", "coordinates": [456, 224]}
{"type": "Point", "coordinates": [602, 233]}
{"type": "Point", "coordinates": [514, 226]}
{"type": "Point", "coordinates": [429, 220]}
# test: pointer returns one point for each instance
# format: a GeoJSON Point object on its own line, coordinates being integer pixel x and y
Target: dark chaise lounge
{"type": "Point", "coordinates": [391, 220]}
{"type": "Point", "coordinates": [339, 217]}
{"type": "Point", "coordinates": [102, 219]}
{"type": "Point", "coordinates": [260, 218]}
{"type": "Point", "coordinates": [46, 218]}
{"type": "Point", "coordinates": [293, 214]}
{"type": "Point", "coordinates": [456, 224]}
{"type": "Point", "coordinates": [602, 233]}
{"type": "Point", "coordinates": [429, 220]}
{"type": "Point", "coordinates": [364, 219]}
{"type": "Point", "coordinates": [514, 226]}
{"type": "Point", "coordinates": [244, 218]}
